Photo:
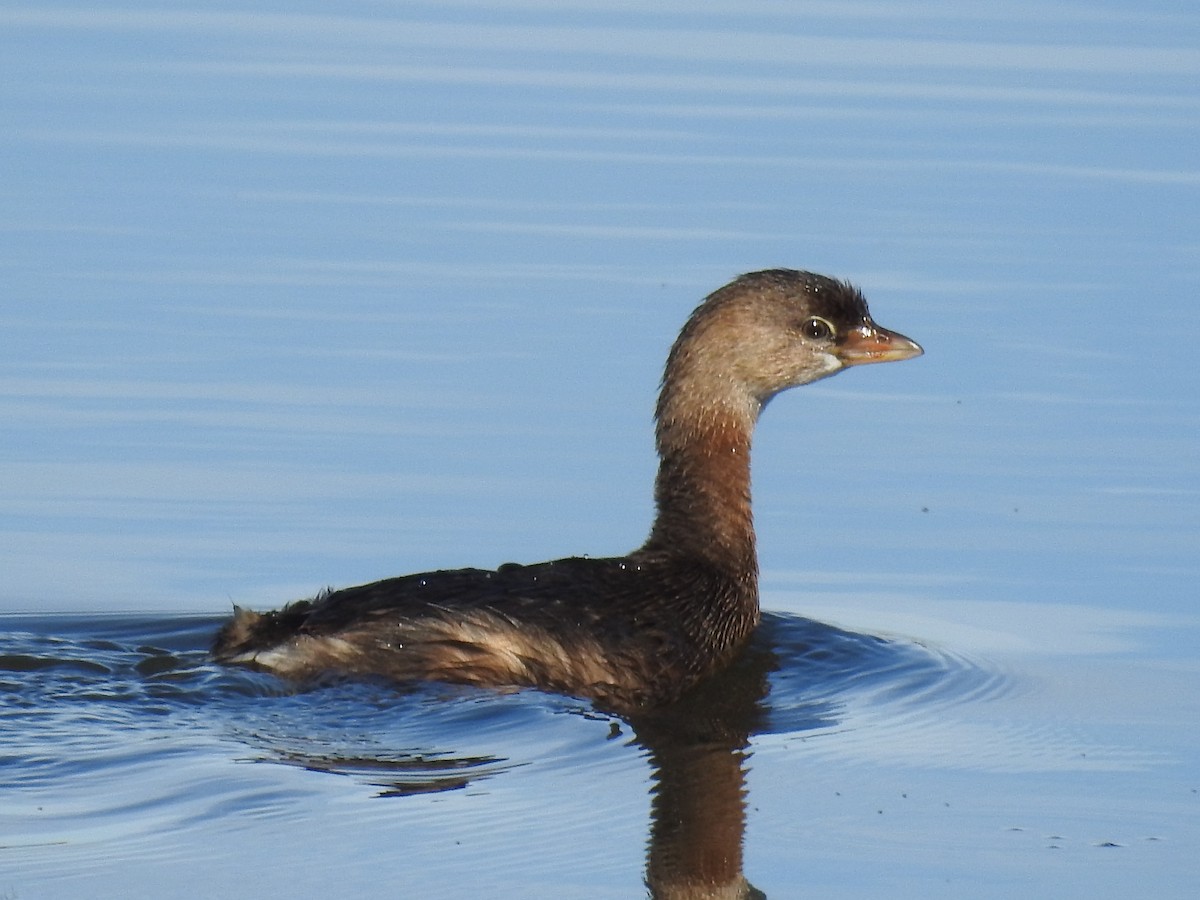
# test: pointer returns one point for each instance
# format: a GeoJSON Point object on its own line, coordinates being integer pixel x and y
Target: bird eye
{"type": "Point", "coordinates": [817, 329]}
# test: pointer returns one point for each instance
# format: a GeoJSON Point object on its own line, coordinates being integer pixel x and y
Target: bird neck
{"type": "Point", "coordinates": [702, 491]}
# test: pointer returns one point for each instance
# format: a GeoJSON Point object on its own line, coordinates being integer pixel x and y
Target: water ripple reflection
{"type": "Point", "coordinates": [120, 728]}
{"type": "Point", "coordinates": [89, 683]}
{"type": "Point", "coordinates": [820, 672]}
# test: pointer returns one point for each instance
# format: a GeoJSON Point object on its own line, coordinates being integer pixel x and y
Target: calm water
{"type": "Point", "coordinates": [294, 299]}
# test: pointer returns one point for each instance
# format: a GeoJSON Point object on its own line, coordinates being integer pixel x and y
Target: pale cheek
{"type": "Point", "coordinates": [831, 363]}
{"type": "Point", "coordinates": [826, 364]}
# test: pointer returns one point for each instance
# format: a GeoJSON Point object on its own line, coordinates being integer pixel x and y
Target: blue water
{"type": "Point", "coordinates": [180, 749]}
{"type": "Point", "coordinates": [294, 297]}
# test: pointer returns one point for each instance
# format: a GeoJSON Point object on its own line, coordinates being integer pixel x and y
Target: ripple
{"type": "Point", "coordinates": [77, 688]}
{"type": "Point", "coordinates": [815, 672]}
{"type": "Point", "coordinates": [819, 674]}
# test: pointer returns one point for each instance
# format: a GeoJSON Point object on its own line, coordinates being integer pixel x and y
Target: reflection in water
{"type": "Point", "coordinates": [699, 746]}
{"type": "Point", "coordinates": [88, 697]}
{"type": "Point", "coordinates": [698, 814]}
{"type": "Point", "coordinates": [404, 776]}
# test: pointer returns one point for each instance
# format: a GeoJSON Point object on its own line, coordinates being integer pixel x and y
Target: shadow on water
{"type": "Point", "coordinates": [74, 682]}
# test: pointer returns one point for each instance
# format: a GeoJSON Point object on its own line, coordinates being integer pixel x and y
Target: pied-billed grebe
{"type": "Point", "coordinates": [626, 632]}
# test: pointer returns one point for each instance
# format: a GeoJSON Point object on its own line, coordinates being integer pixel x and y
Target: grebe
{"type": "Point", "coordinates": [628, 632]}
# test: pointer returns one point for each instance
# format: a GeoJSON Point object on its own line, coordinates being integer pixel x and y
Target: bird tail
{"type": "Point", "coordinates": [247, 632]}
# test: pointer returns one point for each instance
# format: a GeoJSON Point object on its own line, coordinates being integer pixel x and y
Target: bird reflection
{"type": "Point", "coordinates": [698, 750]}
{"type": "Point", "coordinates": [697, 747]}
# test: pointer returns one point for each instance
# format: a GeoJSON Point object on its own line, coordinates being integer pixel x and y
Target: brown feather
{"type": "Point", "coordinates": [627, 632]}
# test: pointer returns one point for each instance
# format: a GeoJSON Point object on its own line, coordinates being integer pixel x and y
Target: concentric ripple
{"type": "Point", "coordinates": [820, 671]}
{"type": "Point", "coordinates": [83, 695]}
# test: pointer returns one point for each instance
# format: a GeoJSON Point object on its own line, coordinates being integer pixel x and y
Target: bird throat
{"type": "Point", "coordinates": [703, 493]}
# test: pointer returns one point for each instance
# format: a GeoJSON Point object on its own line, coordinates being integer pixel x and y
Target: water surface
{"type": "Point", "coordinates": [294, 297]}
{"type": "Point", "coordinates": [179, 749]}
